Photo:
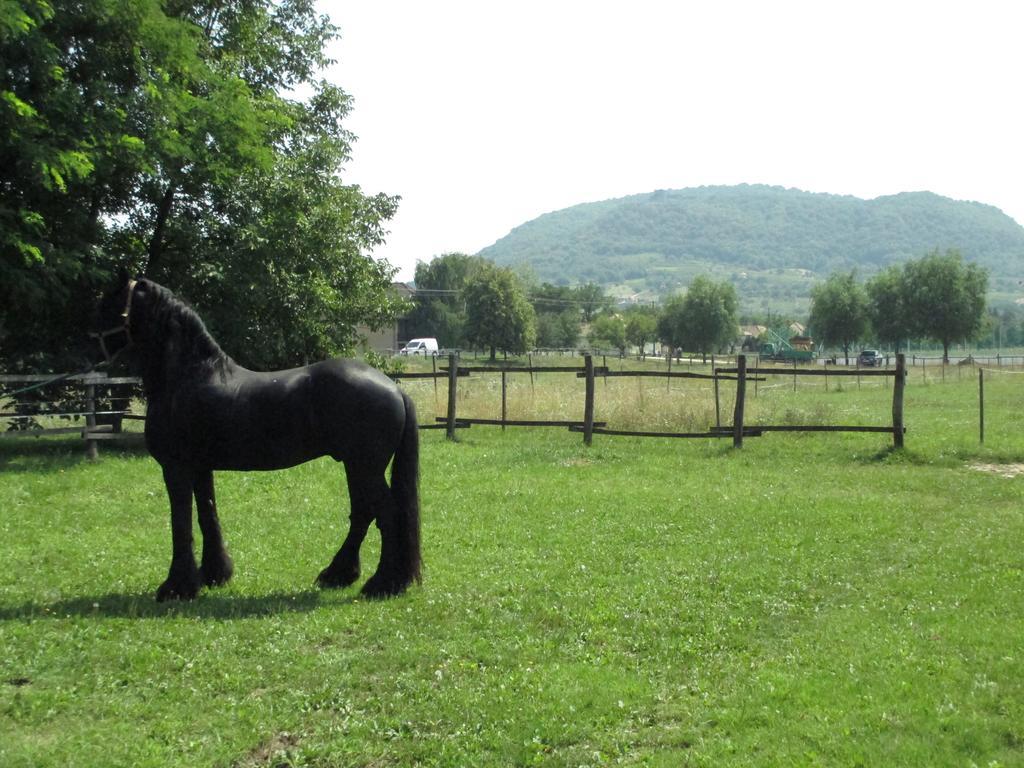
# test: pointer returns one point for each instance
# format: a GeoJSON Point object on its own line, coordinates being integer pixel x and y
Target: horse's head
{"type": "Point", "coordinates": [114, 318]}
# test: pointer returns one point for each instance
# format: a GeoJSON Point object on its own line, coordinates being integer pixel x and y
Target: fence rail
{"type": "Point", "coordinates": [101, 422]}
{"type": "Point", "coordinates": [738, 430]}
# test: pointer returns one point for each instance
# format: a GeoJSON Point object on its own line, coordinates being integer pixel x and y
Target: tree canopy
{"type": "Point", "coordinates": [944, 297]}
{"type": "Point", "coordinates": [703, 320]}
{"type": "Point", "coordinates": [887, 308]}
{"type": "Point", "coordinates": [161, 137]}
{"type": "Point", "coordinates": [498, 316]}
{"type": "Point", "coordinates": [641, 326]}
{"type": "Point", "coordinates": [440, 307]}
{"type": "Point", "coordinates": [609, 330]}
{"type": "Point", "coordinates": [840, 312]}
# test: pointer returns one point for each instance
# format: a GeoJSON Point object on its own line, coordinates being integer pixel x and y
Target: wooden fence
{"type": "Point", "coordinates": [737, 430]}
{"type": "Point", "coordinates": [104, 423]}
{"type": "Point", "coordinates": [51, 401]}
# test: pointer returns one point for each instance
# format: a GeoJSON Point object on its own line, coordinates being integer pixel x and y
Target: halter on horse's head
{"type": "Point", "coordinates": [124, 327]}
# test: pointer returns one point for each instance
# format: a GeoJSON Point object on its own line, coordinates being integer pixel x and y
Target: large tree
{"type": "Point", "coordinates": [158, 136]}
{"type": "Point", "coordinates": [641, 327]}
{"type": "Point", "coordinates": [558, 330]}
{"type": "Point", "coordinates": [886, 307]}
{"type": "Point", "coordinates": [592, 300]}
{"type": "Point", "coordinates": [703, 320]}
{"type": "Point", "coordinates": [498, 316]}
{"type": "Point", "coordinates": [944, 297]}
{"type": "Point", "coordinates": [839, 312]}
{"type": "Point", "coordinates": [558, 311]}
{"type": "Point", "coordinates": [609, 330]}
{"type": "Point", "coordinates": [939, 297]}
{"type": "Point", "coordinates": [440, 307]}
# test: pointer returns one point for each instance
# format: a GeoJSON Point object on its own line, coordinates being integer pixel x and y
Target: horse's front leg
{"type": "Point", "coordinates": [216, 568]}
{"type": "Point", "coordinates": [183, 580]}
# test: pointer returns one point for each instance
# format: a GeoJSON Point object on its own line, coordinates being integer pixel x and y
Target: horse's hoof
{"type": "Point", "coordinates": [165, 593]}
{"type": "Point", "coordinates": [217, 573]}
{"type": "Point", "coordinates": [179, 589]}
{"type": "Point", "coordinates": [337, 578]}
{"type": "Point", "coordinates": [379, 587]}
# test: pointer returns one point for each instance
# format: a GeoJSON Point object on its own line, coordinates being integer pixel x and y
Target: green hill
{"type": "Point", "coordinates": [773, 243]}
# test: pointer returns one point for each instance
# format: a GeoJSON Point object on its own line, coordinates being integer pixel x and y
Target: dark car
{"type": "Point", "coordinates": [869, 357]}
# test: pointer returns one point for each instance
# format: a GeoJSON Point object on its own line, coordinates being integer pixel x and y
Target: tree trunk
{"type": "Point", "coordinates": [156, 244]}
{"type": "Point", "coordinates": [95, 207]}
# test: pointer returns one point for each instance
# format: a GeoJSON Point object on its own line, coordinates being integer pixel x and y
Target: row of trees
{"type": "Point", "coordinates": [939, 297]}
{"type": "Point", "coordinates": [468, 301]}
{"type": "Point", "coordinates": [1002, 327]}
{"type": "Point", "coordinates": [162, 137]}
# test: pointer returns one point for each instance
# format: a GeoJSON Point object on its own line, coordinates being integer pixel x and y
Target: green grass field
{"type": "Point", "coordinates": [809, 600]}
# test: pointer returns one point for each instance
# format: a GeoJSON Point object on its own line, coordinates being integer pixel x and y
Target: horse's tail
{"type": "Point", "coordinates": [405, 482]}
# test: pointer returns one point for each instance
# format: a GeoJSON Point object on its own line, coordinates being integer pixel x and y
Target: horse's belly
{"type": "Point", "coordinates": [261, 445]}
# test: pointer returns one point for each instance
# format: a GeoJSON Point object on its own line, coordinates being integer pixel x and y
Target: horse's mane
{"type": "Point", "coordinates": [180, 332]}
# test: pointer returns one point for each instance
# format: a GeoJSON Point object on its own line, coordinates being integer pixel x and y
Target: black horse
{"type": "Point", "coordinates": [206, 412]}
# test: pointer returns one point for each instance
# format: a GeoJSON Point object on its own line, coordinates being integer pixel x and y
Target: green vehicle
{"type": "Point", "coordinates": [798, 348]}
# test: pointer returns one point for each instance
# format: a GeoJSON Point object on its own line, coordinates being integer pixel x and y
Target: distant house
{"type": "Point", "coordinates": [802, 342]}
{"type": "Point", "coordinates": [625, 298]}
{"type": "Point", "coordinates": [390, 338]}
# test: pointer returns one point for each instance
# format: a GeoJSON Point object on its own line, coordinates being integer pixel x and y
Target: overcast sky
{"type": "Point", "coordinates": [483, 115]}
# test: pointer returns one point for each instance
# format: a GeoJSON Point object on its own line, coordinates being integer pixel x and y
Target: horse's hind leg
{"type": "Point", "coordinates": [391, 577]}
{"type": "Point", "coordinates": [216, 565]}
{"type": "Point", "coordinates": [344, 568]}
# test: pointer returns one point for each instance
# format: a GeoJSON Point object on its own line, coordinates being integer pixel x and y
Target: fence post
{"type": "Point", "coordinates": [453, 379]}
{"type": "Point", "coordinates": [504, 398]}
{"type": "Point", "coordinates": [718, 412]}
{"type": "Point", "coordinates": [741, 394]}
{"type": "Point", "coordinates": [898, 385]}
{"type": "Point", "coordinates": [588, 405]}
{"type": "Point", "coordinates": [91, 445]}
{"type": "Point", "coordinates": [981, 405]}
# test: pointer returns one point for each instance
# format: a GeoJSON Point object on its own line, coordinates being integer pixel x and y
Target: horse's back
{"type": "Point", "coordinates": [242, 419]}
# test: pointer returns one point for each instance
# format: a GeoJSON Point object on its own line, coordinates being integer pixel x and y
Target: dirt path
{"type": "Point", "coordinates": [1003, 470]}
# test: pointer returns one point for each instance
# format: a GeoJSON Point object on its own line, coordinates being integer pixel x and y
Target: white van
{"type": "Point", "coordinates": [420, 347]}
